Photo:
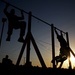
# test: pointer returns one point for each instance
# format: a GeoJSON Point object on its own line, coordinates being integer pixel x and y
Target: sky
{"type": "Point", "coordinates": [61, 13]}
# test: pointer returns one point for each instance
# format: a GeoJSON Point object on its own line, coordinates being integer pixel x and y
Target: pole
{"type": "Point", "coordinates": [53, 45]}
{"type": "Point", "coordinates": [67, 38]}
{"type": "Point", "coordinates": [38, 52]}
{"type": "Point", "coordinates": [3, 20]}
{"type": "Point", "coordinates": [69, 46]}
{"type": "Point", "coordinates": [70, 67]}
{"type": "Point", "coordinates": [28, 41]}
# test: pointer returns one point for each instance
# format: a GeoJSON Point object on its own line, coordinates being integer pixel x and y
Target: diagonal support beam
{"type": "Point", "coordinates": [22, 50]}
{"type": "Point", "coordinates": [38, 52]}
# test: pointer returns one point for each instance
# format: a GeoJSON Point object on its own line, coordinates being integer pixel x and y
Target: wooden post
{"type": "Point", "coordinates": [67, 38]}
{"type": "Point", "coordinates": [28, 40]}
{"type": "Point", "coordinates": [38, 52]}
{"type": "Point", "coordinates": [3, 20]}
{"type": "Point", "coordinates": [53, 45]}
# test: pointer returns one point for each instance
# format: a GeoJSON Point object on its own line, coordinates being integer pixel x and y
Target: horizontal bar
{"type": "Point", "coordinates": [47, 23]}
{"type": "Point", "coordinates": [32, 15]}
{"type": "Point", "coordinates": [14, 6]}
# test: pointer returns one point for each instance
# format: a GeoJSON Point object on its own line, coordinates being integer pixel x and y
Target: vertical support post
{"type": "Point", "coordinates": [53, 45]}
{"type": "Point", "coordinates": [3, 20]}
{"type": "Point", "coordinates": [28, 40]}
{"type": "Point", "coordinates": [67, 38]}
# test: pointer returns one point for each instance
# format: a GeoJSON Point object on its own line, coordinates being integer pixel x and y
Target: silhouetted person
{"type": "Point", "coordinates": [64, 49]}
{"type": "Point", "coordinates": [6, 61]}
{"type": "Point", "coordinates": [15, 23]}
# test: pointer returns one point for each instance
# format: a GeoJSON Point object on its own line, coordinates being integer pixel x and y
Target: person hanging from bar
{"type": "Point", "coordinates": [64, 50]}
{"type": "Point", "coordinates": [14, 22]}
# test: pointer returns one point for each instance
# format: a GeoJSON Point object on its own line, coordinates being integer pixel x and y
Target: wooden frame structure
{"type": "Point", "coordinates": [29, 38]}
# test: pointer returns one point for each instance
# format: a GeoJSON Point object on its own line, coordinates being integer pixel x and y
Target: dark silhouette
{"type": "Point", "coordinates": [64, 50]}
{"type": "Point", "coordinates": [6, 61]}
{"type": "Point", "coordinates": [3, 20]}
{"type": "Point", "coordinates": [15, 23]}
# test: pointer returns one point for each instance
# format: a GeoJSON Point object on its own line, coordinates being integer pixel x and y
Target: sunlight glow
{"type": "Point", "coordinates": [72, 58]}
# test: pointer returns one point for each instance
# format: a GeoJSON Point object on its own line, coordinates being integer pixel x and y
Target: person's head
{"type": "Point", "coordinates": [12, 11]}
{"type": "Point", "coordinates": [7, 56]}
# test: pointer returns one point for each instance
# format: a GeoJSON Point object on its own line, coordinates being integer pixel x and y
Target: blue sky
{"type": "Point", "coordinates": [59, 12]}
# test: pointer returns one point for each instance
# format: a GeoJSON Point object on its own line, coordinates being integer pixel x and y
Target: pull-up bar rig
{"type": "Point", "coordinates": [29, 38]}
{"type": "Point", "coordinates": [31, 15]}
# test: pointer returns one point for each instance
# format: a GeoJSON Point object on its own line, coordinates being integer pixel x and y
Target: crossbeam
{"type": "Point", "coordinates": [32, 15]}
{"type": "Point", "coordinates": [33, 41]}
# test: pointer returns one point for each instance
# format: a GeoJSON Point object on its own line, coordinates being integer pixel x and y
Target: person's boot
{"type": "Point", "coordinates": [8, 38]}
{"type": "Point", "coordinates": [21, 39]}
{"type": "Point", "coordinates": [52, 61]}
{"type": "Point", "coordinates": [56, 62]}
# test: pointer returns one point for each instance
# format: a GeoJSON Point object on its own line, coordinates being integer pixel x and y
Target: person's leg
{"type": "Point", "coordinates": [22, 31]}
{"type": "Point", "coordinates": [56, 59]}
{"type": "Point", "coordinates": [10, 30]}
{"type": "Point", "coordinates": [61, 64]}
{"type": "Point", "coordinates": [62, 59]}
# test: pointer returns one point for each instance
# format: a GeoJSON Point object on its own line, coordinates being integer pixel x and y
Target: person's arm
{"type": "Point", "coordinates": [56, 32]}
{"type": "Point", "coordinates": [5, 9]}
{"type": "Point", "coordinates": [58, 36]}
{"type": "Point", "coordinates": [22, 16]}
